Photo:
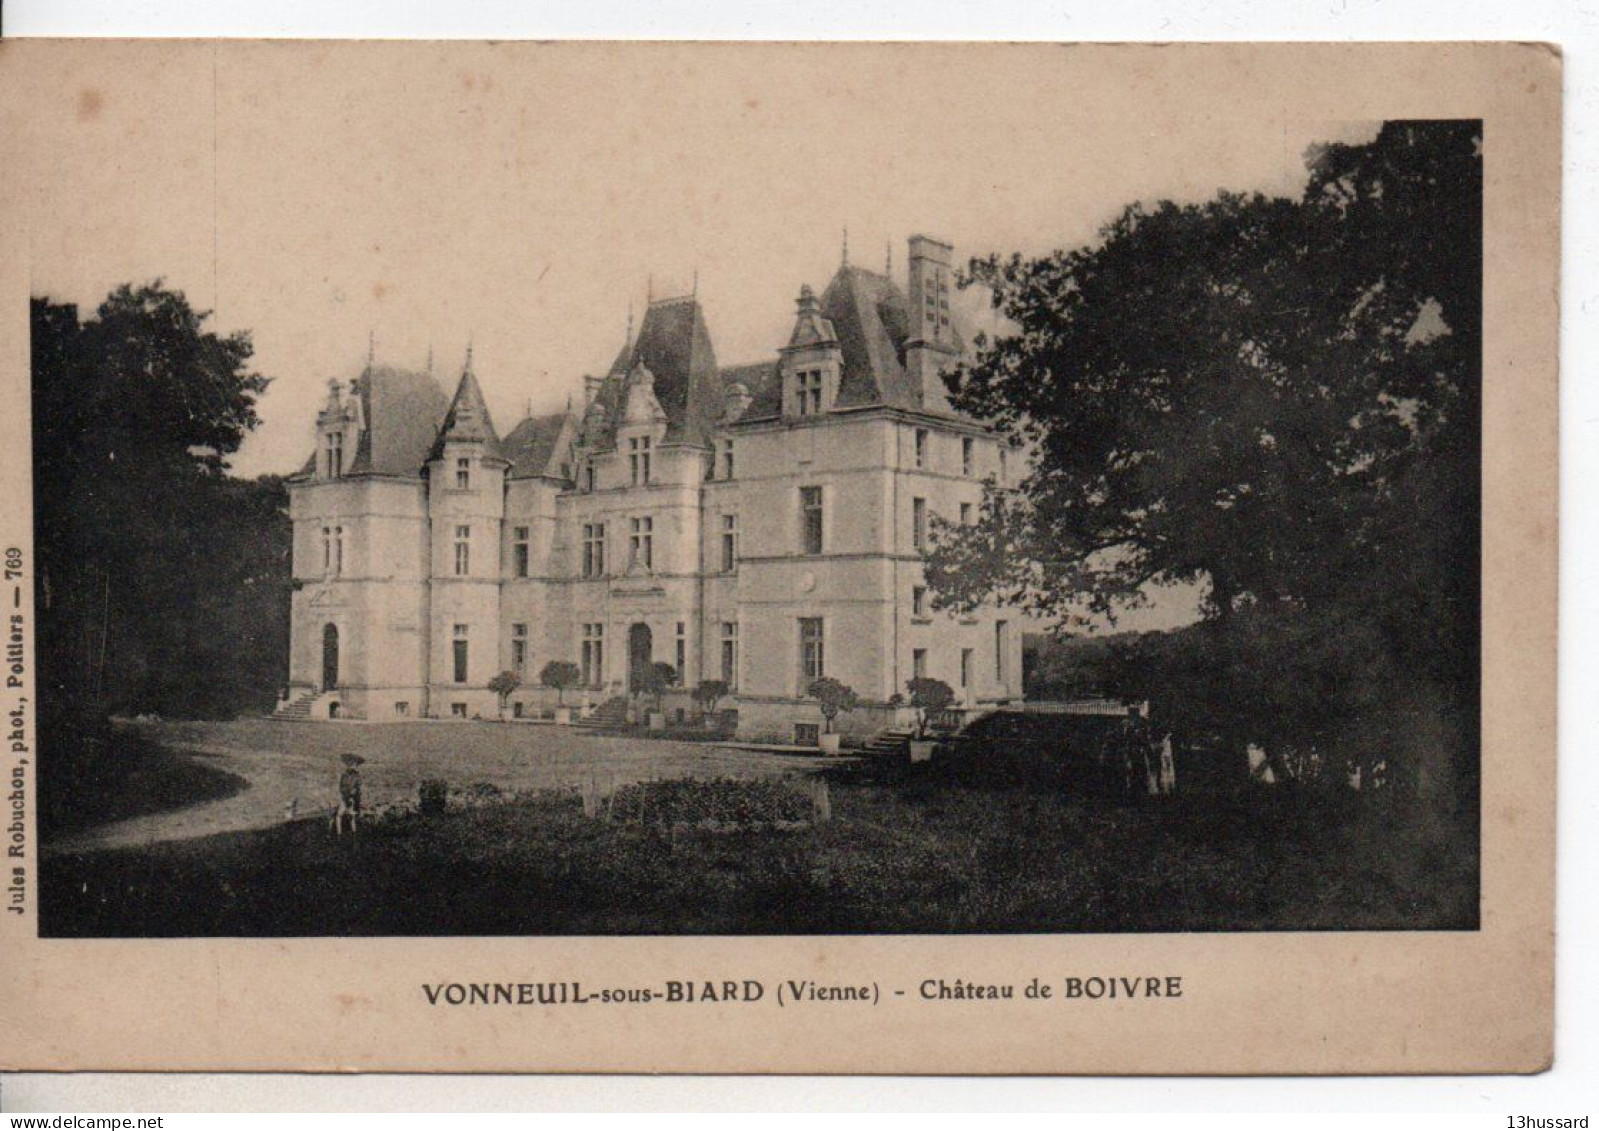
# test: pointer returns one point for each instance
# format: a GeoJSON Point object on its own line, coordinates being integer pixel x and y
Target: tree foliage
{"type": "Point", "coordinates": [163, 584]}
{"type": "Point", "coordinates": [928, 697]}
{"type": "Point", "coordinates": [561, 675]}
{"type": "Point", "coordinates": [709, 693]}
{"type": "Point", "coordinates": [834, 697]}
{"type": "Point", "coordinates": [504, 685]}
{"type": "Point", "coordinates": [1277, 400]}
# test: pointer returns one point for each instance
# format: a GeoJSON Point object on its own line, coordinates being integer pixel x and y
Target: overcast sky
{"type": "Point", "coordinates": [521, 199]}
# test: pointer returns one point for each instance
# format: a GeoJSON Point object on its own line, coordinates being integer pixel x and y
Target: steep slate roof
{"type": "Point", "coordinates": [536, 446]}
{"type": "Point", "coordinates": [402, 408]}
{"type": "Point", "coordinates": [870, 316]}
{"type": "Point", "coordinates": [676, 347]}
{"type": "Point", "coordinates": [468, 418]}
{"type": "Point", "coordinates": [764, 380]}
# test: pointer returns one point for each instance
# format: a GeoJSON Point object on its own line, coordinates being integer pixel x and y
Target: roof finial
{"type": "Point", "coordinates": [468, 367]}
{"type": "Point", "coordinates": [888, 258]}
{"type": "Point", "coordinates": [695, 292]}
{"type": "Point", "coordinates": [430, 359]}
{"type": "Point", "coordinates": [568, 404]}
{"type": "Point", "coordinates": [629, 321]}
{"type": "Point", "coordinates": [844, 258]}
{"type": "Point", "coordinates": [371, 347]}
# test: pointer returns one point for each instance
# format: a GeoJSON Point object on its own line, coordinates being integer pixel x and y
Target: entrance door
{"type": "Point", "coordinates": [330, 657]}
{"type": "Point", "coordinates": [640, 654]}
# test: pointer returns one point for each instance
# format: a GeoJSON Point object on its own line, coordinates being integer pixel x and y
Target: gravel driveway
{"type": "Point", "coordinates": [293, 767]}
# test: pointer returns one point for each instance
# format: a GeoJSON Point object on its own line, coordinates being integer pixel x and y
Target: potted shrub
{"type": "Point", "coordinates": [503, 685]}
{"type": "Point", "coordinates": [657, 677]}
{"type": "Point", "coordinates": [561, 675]}
{"type": "Point", "coordinates": [928, 697]}
{"type": "Point", "coordinates": [901, 715]}
{"type": "Point", "coordinates": [834, 697]}
{"type": "Point", "coordinates": [707, 695]}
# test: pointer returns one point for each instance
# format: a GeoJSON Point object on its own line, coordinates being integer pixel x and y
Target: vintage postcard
{"type": "Point", "coordinates": [871, 558]}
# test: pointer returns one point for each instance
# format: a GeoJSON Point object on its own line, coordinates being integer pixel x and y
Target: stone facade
{"type": "Point", "coordinates": [757, 523]}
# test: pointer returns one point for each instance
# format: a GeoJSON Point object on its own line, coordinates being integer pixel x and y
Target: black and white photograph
{"type": "Point", "coordinates": [1116, 570]}
{"type": "Point", "coordinates": [827, 492]}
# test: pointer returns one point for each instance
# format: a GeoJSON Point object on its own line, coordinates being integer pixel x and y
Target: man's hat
{"type": "Point", "coordinates": [353, 759]}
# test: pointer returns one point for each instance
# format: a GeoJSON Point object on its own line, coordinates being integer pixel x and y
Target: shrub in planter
{"type": "Point", "coordinates": [707, 695]}
{"type": "Point", "coordinates": [503, 685]}
{"type": "Point", "coordinates": [928, 697]}
{"type": "Point", "coordinates": [561, 675]}
{"type": "Point", "coordinates": [834, 697]}
{"type": "Point", "coordinates": [432, 796]}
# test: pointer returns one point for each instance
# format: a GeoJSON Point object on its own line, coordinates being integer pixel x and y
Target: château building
{"type": "Point", "coordinates": [759, 524]}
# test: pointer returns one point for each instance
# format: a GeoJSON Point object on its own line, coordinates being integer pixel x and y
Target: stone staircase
{"type": "Point", "coordinates": [297, 707]}
{"type": "Point", "coordinates": [609, 715]}
{"type": "Point", "coordinates": [891, 743]}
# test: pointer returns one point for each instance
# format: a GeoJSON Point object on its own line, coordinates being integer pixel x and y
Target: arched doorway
{"type": "Point", "coordinates": [640, 654]}
{"type": "Point", "coordinates": [330, 657]}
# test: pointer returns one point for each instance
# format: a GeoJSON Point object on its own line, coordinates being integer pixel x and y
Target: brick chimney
{"type": "Point", "coordinates": [931, 345]}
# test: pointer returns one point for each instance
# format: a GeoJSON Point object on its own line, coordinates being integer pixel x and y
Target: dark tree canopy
{"type": "Point", "coordinates": [1275, 399]}
{"type": "Point", "coordinates": [162, 582]}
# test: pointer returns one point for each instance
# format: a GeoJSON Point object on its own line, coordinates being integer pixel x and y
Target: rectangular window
{"type": "Point", "coordinates": [458, 710]}
{"type": "Point", "coordinates": [729, 543]}
{"type": "Point", "coordinates": [919, 663]}
{"type": "Point", "coordinates": [642, 541]}
{"type": "Point", "coordinates": [812, 660]}
{"type": "Point", "coordinates": [402, 708]}
{"type": "Point", "coordinates": [919, 523]}
{"type": "Point", "coordinates": [966, 514]}
{"type": "Point", "coordinates": [463, 473]}
{"type": "Point", "coordinates": [593, 654]}
{"type": "Point", "coordinates": [519, 551]}
{"type": "Point", "coordinates": [516, 709]}
{"type": "Point", "coordinates": [918, 600]}
{"type": "Point", "coordinates": [327, 550]}
{"type": "Point", "coordinates": [730, 653]}
{"type": "Point", "coordinates": [588, 475]}
{"type": "Point", "coordinates": [682, 653]}
{"type": "Point", "coordinates": [808, 386]}
{"type": "Point", "coordinates": [810, 520]}
{"type": "Point", "coordinates": [966, 667]}
{"type": "Point", "coordinates": [594, 549]}
{"type": "Point", "coordinates": [727, 459]}
{"type": "Point", "coordinates": [999, 652]}
{"type": "Point", "coordinates": [338, 551]}
{"type": "Point", "coordinates": [335, 454]}
{"type": "Point", "coordinates": [463, 550]}
{"type": "Point", "coordinates": [807, 734]}
{"type": "Point", "coordinates": [638, 459]}
{"type": "Point", "coordinates": [460, 643]}
{"type": "Point", "coordinates": [966, 455]}
{"type": "Point", "coordinates": [921, 447]}
{"type": "Point", "coordinates": [519, 649]}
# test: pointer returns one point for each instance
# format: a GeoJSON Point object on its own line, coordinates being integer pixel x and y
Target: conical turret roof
{"type": "Point", "coordinates": [468, 420]}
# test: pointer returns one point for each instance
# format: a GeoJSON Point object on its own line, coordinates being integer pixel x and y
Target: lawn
{"type": "Point", "coordinates": [903, 852]}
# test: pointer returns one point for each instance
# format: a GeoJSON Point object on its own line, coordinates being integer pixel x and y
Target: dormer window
{"type": "Point", "coordinates": [638, 459]}
{"type": "Point", "coordinates": [463, 474]}
{"type": "Point", "coordinates": [808, 392]}
{"type": "Point", "coordinates": [335, 454]}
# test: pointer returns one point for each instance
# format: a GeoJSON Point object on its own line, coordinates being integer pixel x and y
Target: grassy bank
{"type": "Point", "coordinates": [916, 855]}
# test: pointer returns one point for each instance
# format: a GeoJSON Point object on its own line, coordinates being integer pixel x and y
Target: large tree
{"type": "Point", "coordinates": [162, 582]}
{"type": "Point", "coordinates": [1274, 399]}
